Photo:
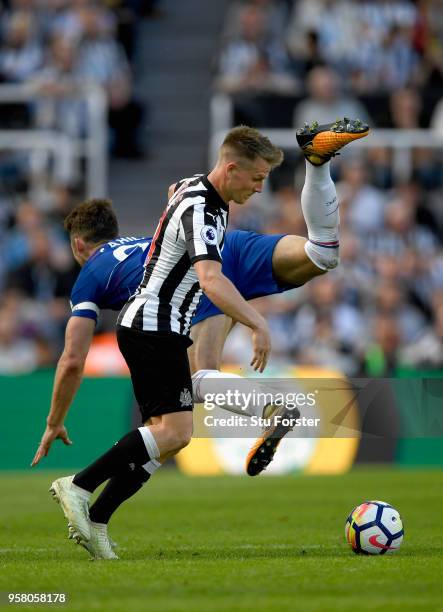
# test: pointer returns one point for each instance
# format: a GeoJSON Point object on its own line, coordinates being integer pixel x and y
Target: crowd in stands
{"type": "Point", "coordinates": [56, 47]}
{"type": "Point", "coordinates": [330, 53]}
{"type": "Point", "coordinates": [61, 46]}
{"type": "Point", "coordinates": [285, 63]}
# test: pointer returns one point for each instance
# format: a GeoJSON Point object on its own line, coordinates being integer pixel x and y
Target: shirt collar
{"type": "Point", "coordinates": [213, 196]}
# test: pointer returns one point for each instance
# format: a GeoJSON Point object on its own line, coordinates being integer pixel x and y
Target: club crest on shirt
{"type": "Point", "coordinates": [186, 398]}
{"type": "Point", "coordinates": [209, 234]}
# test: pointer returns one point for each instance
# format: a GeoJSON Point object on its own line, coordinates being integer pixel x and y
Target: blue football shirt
{"type": "Point", "coordinates": [113, 273]}
{"type": "Point", "coordinates": [109, 277]}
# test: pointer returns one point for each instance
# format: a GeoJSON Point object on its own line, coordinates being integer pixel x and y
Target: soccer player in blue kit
{"type": "Point", "coordinates": [258, 265]}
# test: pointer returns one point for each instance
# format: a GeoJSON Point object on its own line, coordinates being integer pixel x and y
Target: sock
{"type": "Point", "coordinates": [320, 209]}
{"type": "Point", "coordinates": [119, 488]}
{"type": "Point", "coordinates": [249, 401]}
{"type": "Point", "coordinates": [135, 447]}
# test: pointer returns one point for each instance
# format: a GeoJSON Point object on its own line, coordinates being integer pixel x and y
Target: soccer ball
{"type": "Point", "coordinates": [374, 528]}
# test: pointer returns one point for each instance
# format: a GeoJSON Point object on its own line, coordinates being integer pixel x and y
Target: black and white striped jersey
{"type": "Point", "coordinates": [192, 228]}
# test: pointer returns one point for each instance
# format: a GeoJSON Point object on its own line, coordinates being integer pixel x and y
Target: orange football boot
{"type": "Point", "coordinates": [321, 142]}
{"type": "Point", "coordinates": [281, 422]}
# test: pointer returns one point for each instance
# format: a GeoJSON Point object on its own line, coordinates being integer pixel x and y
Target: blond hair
{"type": "Point", "coordinates": [248, 143]}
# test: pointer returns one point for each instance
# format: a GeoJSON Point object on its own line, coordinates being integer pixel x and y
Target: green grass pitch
{"type": "Point", "coordinates": [233, 544]}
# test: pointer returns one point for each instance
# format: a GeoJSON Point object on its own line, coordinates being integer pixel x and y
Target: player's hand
{"type": "Point", "coordinates": [261, 344]}
{"type": "Point", "coordinates": [51, 434]}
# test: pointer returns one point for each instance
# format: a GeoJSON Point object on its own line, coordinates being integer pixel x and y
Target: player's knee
{"type": "Point", "coordinates": [324, 257]}
{"type": "Point", "coordinates": [179, 439]}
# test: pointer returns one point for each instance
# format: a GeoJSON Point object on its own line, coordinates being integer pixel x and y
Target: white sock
{"type": "Point", "coordinates": [150, 443]}
{"type": "Point", "coordinates": [320, 209]}
{"type": "Point", "coordinates": [152, 466]}
{"type": "Point", "coordinates": [248, 402]}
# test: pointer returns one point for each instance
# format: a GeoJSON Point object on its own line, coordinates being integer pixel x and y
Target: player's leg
{"type": "Point", "coordinates": [319, 198]}
{"type": "Point", "coordinates": [290, 263]}
{"type": "Point", "coordinates": [296, 260]}
{"type": "Point", "coordinates": [172, 432]}
{"type": "Point", "coordinates": [127, 482]}
{"type": "Point", "coordinates": [165, 403]}
{"type": "Point", "coordinates": [205, 357]}
{"type": "Point", "coordinates": [209, 337]}
{"type": "Point", "coordinates": [130, 462]}
{"type": "Point", "coordinates": [127, 457]}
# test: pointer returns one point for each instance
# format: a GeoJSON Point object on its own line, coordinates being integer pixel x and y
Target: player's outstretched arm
{"type": "Point", "coordinates": [224, 294]}
{"type": "Point", "coordinates": [68, 376]}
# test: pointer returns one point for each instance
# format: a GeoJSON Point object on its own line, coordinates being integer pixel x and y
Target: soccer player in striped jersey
{"type": "Point", "coordinates": [260, 265]}
{"type": "Point", "coordinates": [183, 260]}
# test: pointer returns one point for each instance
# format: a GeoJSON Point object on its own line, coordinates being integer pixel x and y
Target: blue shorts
{"type": "Point", "coordinates": [247, 262]}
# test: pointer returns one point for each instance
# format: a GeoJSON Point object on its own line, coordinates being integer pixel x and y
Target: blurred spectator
{"type": "Point", "coordinates": [391, 301]}
{"type": "Point", "coordinates": [101, 60]}
{"type": "Point", "coordinates": [274, 17]}
{"type": "Point", "coordinates": [254, 61]}
{"type": "Point", "coordinates": [21, 54]}
{"type": "Point", "coordinates": [428, 42]}
{"type": "Point", "coordinates": [286, 217]}
{"type": "Point", "coordinates": [427, 351]}
{"type": "Point", "coordinates": [386, 64]}
{"type": "Point", "coordinates": [27, 219]}
{"type": "Point", "coordinates": [48, 272]}
{"type": "Point", "coordinates": [325, 101]}
{"type": "Point", "coordinates": [405, 109]}
{"type": "Point", "coordinates": [406, 114]}
{"type": "Point", "coordinates": [69, 24]}
{"type": "Point", "coordinates": [326, 320]}
{"type": "Point", "coordinates": [18, 353]}
{"type": "Point", "coordinates": [379, 161]}
{"type": "Point", "coordinates": [354, 272]}
{"type": "Point", "coordinates": [336, 32]}
{"type": "Point", "coordinates": [400, 233]}
{"type": "Point", "coordinates": [43, 283]}
{"type": "Point", "coordinates": [361, 204]}
{"type": "Point", "coordinates": [92, 56]}
{"type": "Point", "coordinates": [304, 19]}
{"type": "Point", "coordinates": [382, 352]}
{"type": "Point", "coordinates": [373, 43]}
{"type": "Point", "coordinates": [58, 83]}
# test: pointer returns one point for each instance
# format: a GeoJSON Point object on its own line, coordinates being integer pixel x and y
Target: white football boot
{"type": "Point", "coordinates": [74, 502]}
{"type": "Point", "coordinates": [73, 535]}
{"type": "Point", "coordinates": [100, 545]}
